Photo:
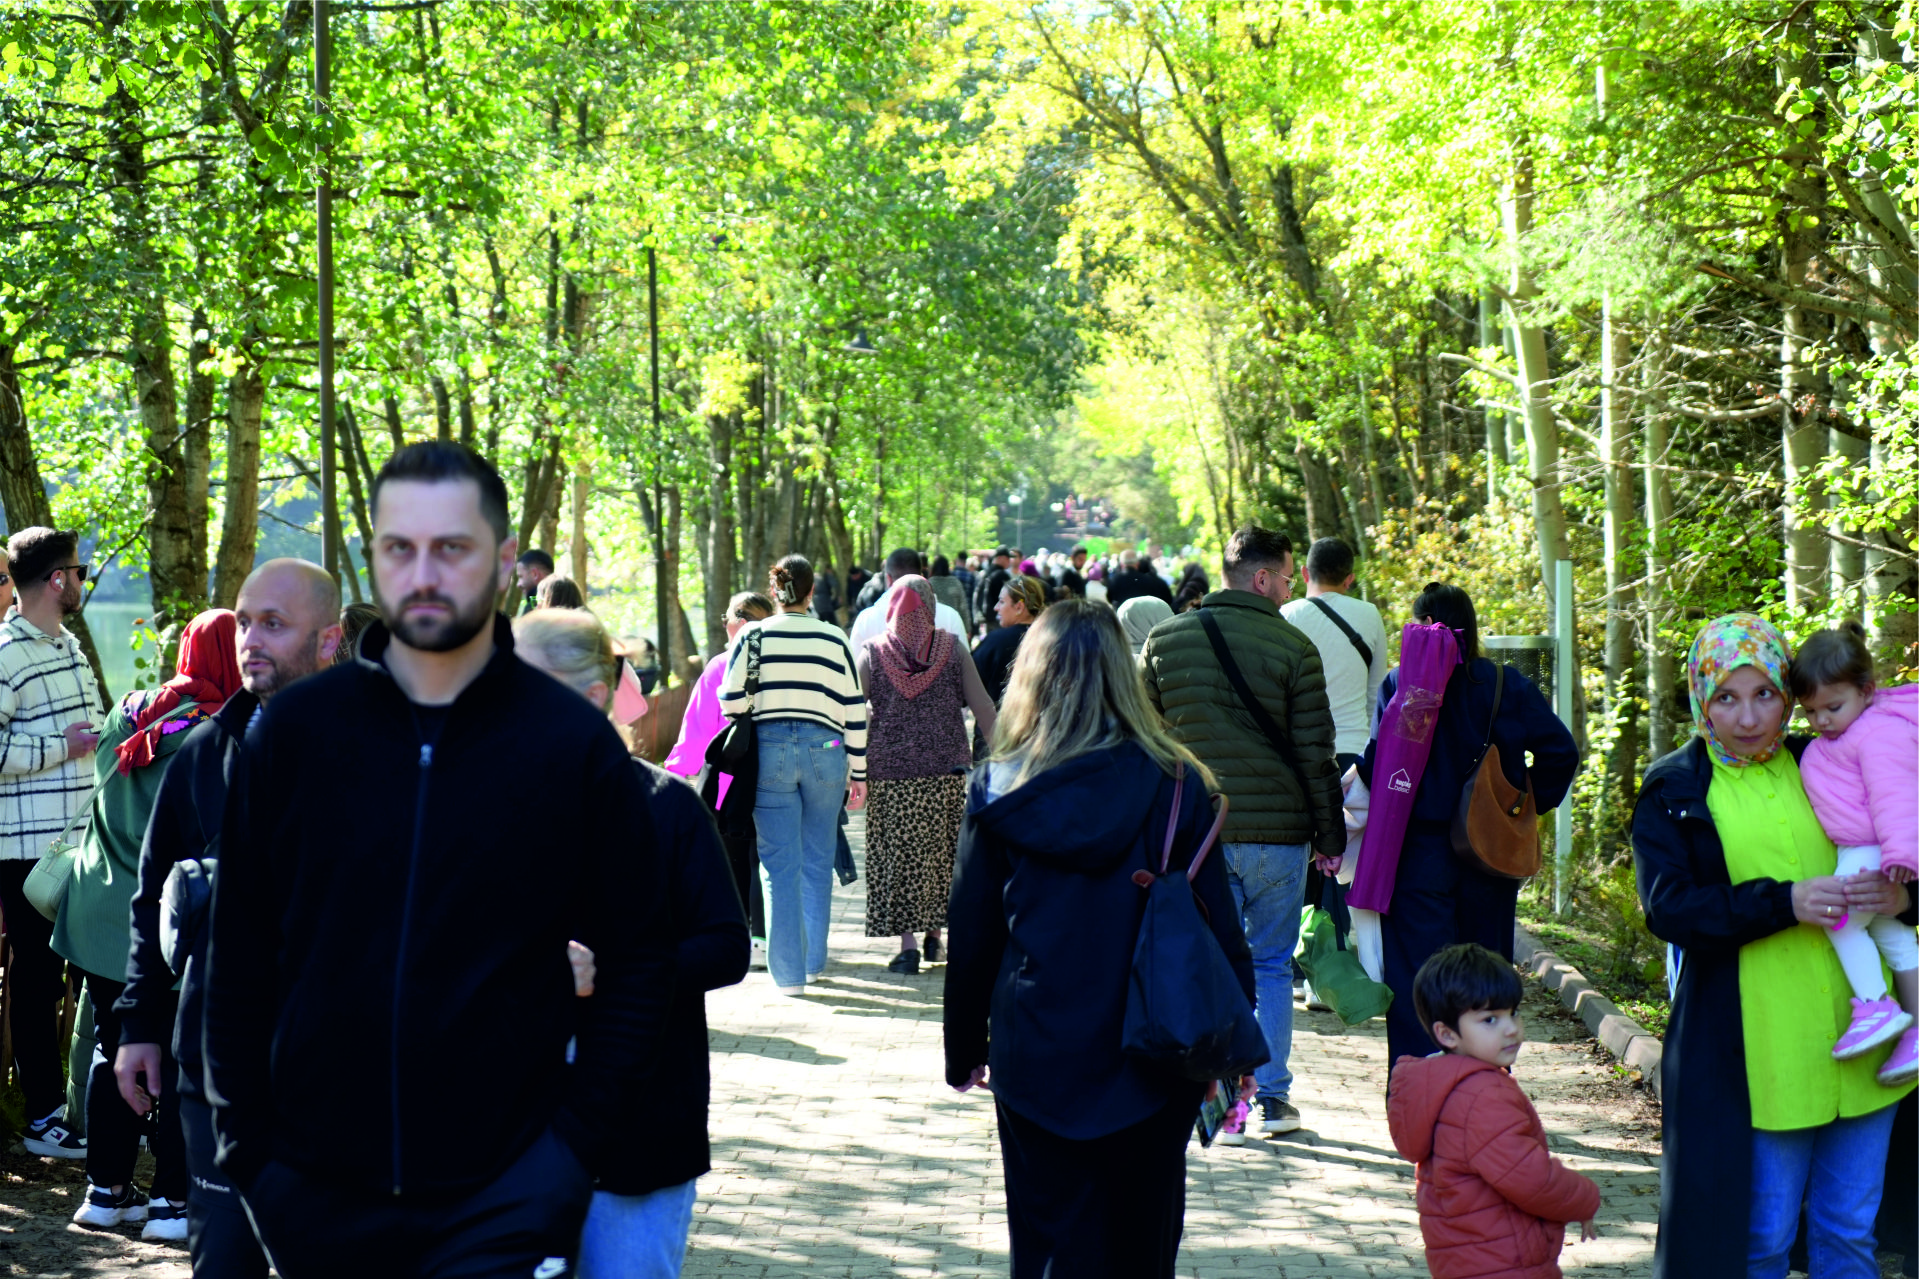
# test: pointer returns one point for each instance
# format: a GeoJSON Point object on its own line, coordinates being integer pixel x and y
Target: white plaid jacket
{"type": "Point", "coordinates": [45, 685]}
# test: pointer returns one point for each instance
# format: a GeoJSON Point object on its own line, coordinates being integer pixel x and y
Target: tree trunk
{"type": "Point", "coordinates": [1848, 562]}
{"type": "Point", "coordinates": [1615, 442]}
{"type": "Point", "coordinates": [582, 494]}
{"type": "Point", "coordinates": [681, 635]}
{"type": "Point", "coordinates": [23, 493]}
{"type": "Point", "coordinates": [1801, 405]}
{"type": "Point", "coordinates": [840, 537]}
{"type": "Point", "coordinates": [722, 564]}
{"type": "Point", "coordinates": [240, 520]}
{"type": "Point", "coordinates": [197, 448]}
{"type": "Point", "coordinates": [1661, 681]}
{"type": "Point", "coordinates": [1529, 340]}
{"type": "Point", "coordinates": [1490, 336]}
{"type": "Point", "coordinates": [352, 458]}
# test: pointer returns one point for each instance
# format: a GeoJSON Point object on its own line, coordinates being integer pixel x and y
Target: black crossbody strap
{"type": "Point", "coordinates": [1252, 704]}
{"type": "Point", "coordinates": [1365, 653]}
{"type": "Point", "coordinates": [1499, 687]}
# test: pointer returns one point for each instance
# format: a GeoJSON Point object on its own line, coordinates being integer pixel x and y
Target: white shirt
{"type": "Point", "coordinates": [871, 623]}
{"type": "Point", "coordinates": [1351, 687]}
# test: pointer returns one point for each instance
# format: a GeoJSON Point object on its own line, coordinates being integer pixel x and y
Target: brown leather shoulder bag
{"type": "Point", "coordinates": [1496, 826]}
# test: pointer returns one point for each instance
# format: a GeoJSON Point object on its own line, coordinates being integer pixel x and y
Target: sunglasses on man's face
{"type": "Point", "coordinates": [79, 572]}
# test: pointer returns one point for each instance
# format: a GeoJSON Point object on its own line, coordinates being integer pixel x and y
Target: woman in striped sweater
{"type": "Point", "coordinates": [809, 714]}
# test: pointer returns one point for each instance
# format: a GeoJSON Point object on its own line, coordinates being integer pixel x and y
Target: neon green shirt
{"type": "Point", "coordinates": [1793, 995]}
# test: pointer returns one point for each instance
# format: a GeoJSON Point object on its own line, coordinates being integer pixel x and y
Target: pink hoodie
{"type": "Point", "coordinates": [700, 726]}
{"type": "Point", "coordinates": [1864, 784]}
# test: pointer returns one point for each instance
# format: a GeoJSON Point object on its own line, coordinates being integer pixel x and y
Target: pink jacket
{"type": "Point", "coordinates": [701, 725]}
{"type": "Point", "coordinates": [1864, 784]}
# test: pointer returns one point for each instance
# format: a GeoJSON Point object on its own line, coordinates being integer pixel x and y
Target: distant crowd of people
{"type": "Point", "coordinates": [369, 1022]}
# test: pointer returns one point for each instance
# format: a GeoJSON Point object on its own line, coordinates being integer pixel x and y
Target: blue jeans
{"type": "Point", "coordinates": [1268, 882]}
{"type": "Point", "coordinates": [637, 1236]}
{"type": "Point", "coordinates": [1838, 1171]}
{"type": "Point", "coordinates": [802, 789]}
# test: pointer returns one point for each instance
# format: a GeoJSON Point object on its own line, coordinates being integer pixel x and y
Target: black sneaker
{"type": "Point", "coordinates": [52, 1137]}
{"type": "Point", "coordinates": [933, 951]}
{"type": "Point", "coordinates": [102, 1207]}
{"type": "Point", "coordinates": [907, 961]}
{"type": "Point", "coordinates": [1277, 1115]}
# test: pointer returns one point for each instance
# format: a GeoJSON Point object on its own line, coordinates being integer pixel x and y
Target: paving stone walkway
{"type": "Point", "coordinates": [838, 1150]}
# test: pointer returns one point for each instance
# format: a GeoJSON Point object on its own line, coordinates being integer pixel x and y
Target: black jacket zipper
{"type": "Point", "coordinates": [406, 927]}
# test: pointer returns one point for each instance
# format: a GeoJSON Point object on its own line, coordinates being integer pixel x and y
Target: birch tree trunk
{"type": "Point", "coordinates": [1529, 341]}
{"type": "Point", "coordinates": [1615, 435]}
{"type": "Point", "coordinates": [582, 495]}
{"type": "Point", "coordinates": [1661, 688]}
{"type": "Point", "coordinates": [721, 554]}
{"type": "Point", "coordinates": [1800, 403]}
{"type": "Point", "coordinates": [240, 496]}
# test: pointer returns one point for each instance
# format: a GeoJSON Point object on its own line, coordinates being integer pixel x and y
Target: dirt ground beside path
{"type": "Point", "coordinates": [38, 1237]}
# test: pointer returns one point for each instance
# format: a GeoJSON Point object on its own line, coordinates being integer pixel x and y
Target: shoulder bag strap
{"type": "Point", "coordinates": [1252, 704]}
{"type": "Point", "coordinates": [1365, 653]}
{"type": "Point", "coordinates": [752, 662]}
{"type": "Point", "coordinates": [112, 773]}
{"type": "Point", "coordinates": [1172, 827]}
{"type": "Point", "coordinates": [1499, 687]}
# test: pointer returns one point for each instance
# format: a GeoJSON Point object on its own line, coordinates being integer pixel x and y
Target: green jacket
{"type": "Point", "coordinates": [1270, 802]}
{"type": "Point", "coordinates": [94, 929]}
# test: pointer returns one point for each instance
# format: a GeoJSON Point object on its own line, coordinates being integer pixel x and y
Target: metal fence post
{"type": "Point", "coordinates": [1566, 680]}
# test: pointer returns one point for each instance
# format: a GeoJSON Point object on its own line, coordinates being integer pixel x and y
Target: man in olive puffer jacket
{"type": "Point", "coordinates": [1284, 796]}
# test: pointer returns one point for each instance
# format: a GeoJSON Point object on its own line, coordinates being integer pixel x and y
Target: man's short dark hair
{"type": "Point", "coordinates": [1002, 551]}
{"type": "Point", "coordinates": [902, 562]}
{"type": "Point", "coordinates": [34, 553]}
{"type": "Point", "coordinates": [440, 461]}
{"type": "Point", "coordinates": [1462, 979]}
{"type": "Point", "coordinates": [537, 558]}
{"type": "Point", "coordinates": [1329, 562]}
{"type": "Point", "coordinates": [1252, 548]}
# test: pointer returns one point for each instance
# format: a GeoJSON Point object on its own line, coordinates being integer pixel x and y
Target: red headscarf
{"type": "Point", "coordinates": [209, 673]}
{"type": "Point", "coordinates": [914, 650]}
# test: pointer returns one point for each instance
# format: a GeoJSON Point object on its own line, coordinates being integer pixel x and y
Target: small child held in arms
{"type": "Point", "coordinates": [1492, 1203]}
{"type": "Point", "coordinates": [1862, 776]}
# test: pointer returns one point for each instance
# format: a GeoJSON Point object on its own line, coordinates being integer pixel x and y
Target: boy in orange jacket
{"type": "Point", "coordinates": [1492, 1203]}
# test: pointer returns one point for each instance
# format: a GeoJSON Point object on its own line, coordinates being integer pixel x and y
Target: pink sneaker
{"type": "Point", "coordinates": [1874, 1022]}
{"type": "Point", "coordinates": [1903, 1066]}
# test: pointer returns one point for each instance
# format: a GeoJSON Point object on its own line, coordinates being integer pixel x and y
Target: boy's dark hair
{"type": "Point", "coordinates": [437, 461]}
{"type": "Point", "coordinates": [1252, 548]}
{"type": "Point", "coordinates": [1452, 608]}
{"type": "Point", "coordinates": [33, 553]}
{"type": "Point", "coordinates": [537, 558]}
{"type": "Point", "coordinates": [1462, 979]}
{"type": "Point", "coordinates": [1837, 656]}
{"type": "Point", "coordinates": [1329, 561]}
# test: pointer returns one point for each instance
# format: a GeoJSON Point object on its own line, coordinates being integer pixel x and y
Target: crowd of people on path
{"type": "Point", "coordinates": [347, 1055]}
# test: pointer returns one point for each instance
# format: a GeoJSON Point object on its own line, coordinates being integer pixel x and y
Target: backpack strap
{"type": "Point", "coordinates": [1365, 651]}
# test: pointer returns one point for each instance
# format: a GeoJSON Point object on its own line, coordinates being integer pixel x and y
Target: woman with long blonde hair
{"type": "Point", "coordinates": [1075, 798]}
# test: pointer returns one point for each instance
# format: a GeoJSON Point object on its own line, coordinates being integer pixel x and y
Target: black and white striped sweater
{"type": "Point", "coordinates": [807, 672]}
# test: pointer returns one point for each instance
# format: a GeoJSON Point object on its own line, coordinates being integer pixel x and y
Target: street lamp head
{"type": "Point", "coordinates": [860, 346]}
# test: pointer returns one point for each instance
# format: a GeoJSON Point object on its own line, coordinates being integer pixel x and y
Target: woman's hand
{"type": "Point", "coordinates": [1871, 893]}
{"type": "Point", "coordinates": [584, 969]}
{"type": "Point", "coordinates": [973, 1081]}
{"type": "Point", "coordinates": [1820, 901]}
{"type": "Point", "coordinates": [855, 796]}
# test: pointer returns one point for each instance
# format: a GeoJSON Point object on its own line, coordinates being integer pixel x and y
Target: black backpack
{"type": "Point", "coordinates": [1185, 1011]}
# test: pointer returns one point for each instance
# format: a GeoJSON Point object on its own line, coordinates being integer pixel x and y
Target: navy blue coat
{"type": "Point", "coordinates": [1043, 920]}
{"type": "Point", "coordinates": [1706, 1120]}
{"type": "Point", "coordinates": [1526, 724]}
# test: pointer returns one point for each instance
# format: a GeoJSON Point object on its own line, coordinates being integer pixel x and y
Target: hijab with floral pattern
{"type": "Point", "coordinates": [1723, 646]}
{"type": "Point", "coordinates": [914, 649]}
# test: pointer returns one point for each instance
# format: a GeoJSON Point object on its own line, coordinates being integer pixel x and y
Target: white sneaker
{"type": "Point", "coordinates": [166, 1222]}
{"type": "Point", "coordinates": [102, 1207]}
{"type": "Point", "coordinates": [758, 962]}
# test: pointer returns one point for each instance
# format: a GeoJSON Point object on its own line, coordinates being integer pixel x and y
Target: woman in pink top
{"type": "Point", "coordinates": [687, 759]}
{"type": "Point", "coordinates": [1862, 775]}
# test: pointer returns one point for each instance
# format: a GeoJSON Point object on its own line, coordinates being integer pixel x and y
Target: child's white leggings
{"type": "Point", "coordinates": [1866, 938]}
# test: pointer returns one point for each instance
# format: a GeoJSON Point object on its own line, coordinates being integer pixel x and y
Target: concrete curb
{"type": "Point", "coordinates": [1623, 1037]}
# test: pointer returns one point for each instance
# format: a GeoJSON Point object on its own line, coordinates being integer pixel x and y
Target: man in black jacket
{"type": "Point", "coordinates": [1136, 578]}
{"type": "Point", "coordinates": [289, 628]}
{"type": "Point", "coordinates": [991, 583]}
{"type": "Point", "coordinates": [388, 998]}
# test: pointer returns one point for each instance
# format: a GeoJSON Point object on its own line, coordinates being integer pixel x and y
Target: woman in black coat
{"type": "Point", "coordinates": [1044, 917]}
{"type": "Point", "coordinates": [1439, 900]}
{"type": "Point", "coordinates": [1686, 888]}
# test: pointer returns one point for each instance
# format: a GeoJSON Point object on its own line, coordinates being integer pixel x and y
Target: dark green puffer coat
{"type": "Point", "coordinates": [1270, 804]}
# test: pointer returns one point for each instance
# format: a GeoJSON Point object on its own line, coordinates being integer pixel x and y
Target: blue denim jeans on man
{"type": "Point", "coordinates": [802, 789]}
{"type": "Point", "coordinates": [637, 1236]}
{"type": "Point", "coordinates": [1838, 1170]}
{"type": "Point", "coordinates": [1269, 883]}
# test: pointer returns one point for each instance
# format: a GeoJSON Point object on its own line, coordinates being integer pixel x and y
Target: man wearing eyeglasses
{"type": "Point", "coordinates": [6, 584]}
{"type": "Point", "coordinates": [49, 704]}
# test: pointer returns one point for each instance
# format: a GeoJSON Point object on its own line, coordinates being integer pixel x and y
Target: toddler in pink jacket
{"type": "Point", "coordinates": [1862, 775]}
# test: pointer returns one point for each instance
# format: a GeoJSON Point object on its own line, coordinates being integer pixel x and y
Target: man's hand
{"type": "Point", "coordinates": [584, 970]}
{"type": "Point", "coordinates": [81, 739]}
{"type": "Point", "coordinates": [1328, 866]}
{"type": "Point", "coordinates": [974, 1080]}
{"type": "Point", "coordinates": [131, 1062]}
{"type": "Point", "coordinates": [855, 796]}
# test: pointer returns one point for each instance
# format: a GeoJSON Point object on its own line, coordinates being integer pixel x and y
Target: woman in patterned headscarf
{"type": "Point", "coordinates": [918, 683]}
{"type": "Point", "coordinates": [1735, 872]}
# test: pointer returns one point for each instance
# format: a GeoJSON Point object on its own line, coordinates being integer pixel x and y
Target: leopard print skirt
{"type": "Point", "coordinates": [912, 835]}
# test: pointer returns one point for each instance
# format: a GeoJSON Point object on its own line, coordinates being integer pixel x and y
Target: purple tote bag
{"type": "Point", "coordinates": [1427, 656]}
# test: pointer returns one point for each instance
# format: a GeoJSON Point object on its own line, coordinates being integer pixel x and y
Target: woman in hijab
{"type": "Point", "coordinates": [1139, 615]}
{"type": "Point", "coordinates": [93, 931]}
{"type": "Point", "coordinates": [919, 681]}
{"type": "Point", "coordinates": [1736, 873]}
